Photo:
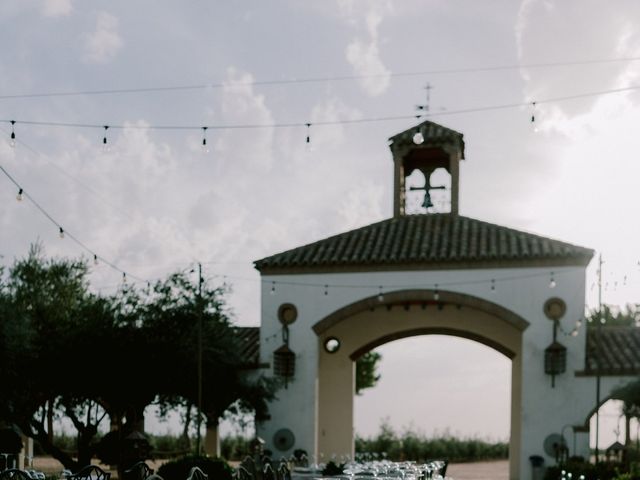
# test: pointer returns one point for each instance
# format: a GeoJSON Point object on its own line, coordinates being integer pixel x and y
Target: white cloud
{"type": "Point", "coordinates": [331, 136]}
{"type": "Point", "coordinates": [56, 8]}
{"type": "Point", "coordinates": [104, 42]}
{"type": "Point", "coordinates": [364, 53]}
{"type": "Point", "coordinates": [241, 105]}
{"type": "Point", "coordinates": [363, 205]}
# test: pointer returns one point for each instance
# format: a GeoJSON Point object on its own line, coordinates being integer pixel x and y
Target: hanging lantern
{"type": "Point", "coordinates": [555, 355]}
{"type": "Point", "coordinates": [284, 362]}
{"type": "Point", "coordinates": [555, 360]}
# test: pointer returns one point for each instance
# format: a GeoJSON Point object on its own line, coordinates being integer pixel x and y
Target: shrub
{"type": "Point", "coordinates": [10, 441]}
{"type": "Point", "coordinates": [411, 445]}
{"type": "Point", "coordinates": [601, 471]}
{"type": "Point", "coordinates": [215, 468]}
{"type": "Point", "coordinates": [235, 447]}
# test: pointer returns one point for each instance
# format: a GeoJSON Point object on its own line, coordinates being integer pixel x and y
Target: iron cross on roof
{"type": "Point", "coordinates": [427, 203]}
{"type": "Point", "coordinates": [425, 107]}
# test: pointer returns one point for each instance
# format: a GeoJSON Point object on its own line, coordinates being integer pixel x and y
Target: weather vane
{"type": "Point", "coordinates": [425, 107]}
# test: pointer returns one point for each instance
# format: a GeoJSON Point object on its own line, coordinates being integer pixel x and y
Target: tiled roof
{"type": "Point", "coordinates": [619, 351]}
{"type": "Point", "coordinates": [434, 135]}
{"type": "Point", "coordinates": [423, 242]}
{"type": "Point", "coordinates": [249, 344]}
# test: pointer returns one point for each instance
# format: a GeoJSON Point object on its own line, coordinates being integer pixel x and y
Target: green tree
{"type": "Point", "coordinates": [630, 396]}
{"type": "Point", "coordinates": [176, 309]}
{"type": "Point", "coordinates": [47, 311]}
{"type": "Point", "coordinates": [612, 316]}
{"type": "Point", "coordinates": [367, 371]}
{"type": "Point", "coordinates": [68, 352]}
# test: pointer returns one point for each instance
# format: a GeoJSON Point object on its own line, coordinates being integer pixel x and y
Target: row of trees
{"type": "Point", "coordinates": [66, 351]}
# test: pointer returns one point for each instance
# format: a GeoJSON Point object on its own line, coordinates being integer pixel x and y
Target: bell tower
{"type": "Point", "coordinates": [425, 147]}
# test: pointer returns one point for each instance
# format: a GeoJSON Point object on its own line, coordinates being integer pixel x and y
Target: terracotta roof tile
{"type": "Point", "coordinates": [619, 351]}
{"type": "Point", "coordinates": [249, 344]}
{"type": "Point", "coordinates": [425, 240]}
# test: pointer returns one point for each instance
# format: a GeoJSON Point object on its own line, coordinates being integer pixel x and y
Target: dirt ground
{"type": "Point", "coordinates": [496, 470]}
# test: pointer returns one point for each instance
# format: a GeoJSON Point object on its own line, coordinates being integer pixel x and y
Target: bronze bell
{"type": "Point", "coordinates": [427, 203]}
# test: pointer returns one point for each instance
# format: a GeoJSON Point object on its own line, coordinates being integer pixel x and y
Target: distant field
{"type": "Point", "coordinates": [494, 470]}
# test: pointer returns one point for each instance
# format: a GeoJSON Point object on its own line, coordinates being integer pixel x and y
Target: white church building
{"type": "Point", "coordinates": [327, 303]}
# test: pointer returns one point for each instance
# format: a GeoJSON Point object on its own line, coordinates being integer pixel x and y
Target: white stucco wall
{"type": "Point", "coordinates": [545, 410]}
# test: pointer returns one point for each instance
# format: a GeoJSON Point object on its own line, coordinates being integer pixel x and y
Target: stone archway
{"type": "Point", "coordinates": [372, 321]}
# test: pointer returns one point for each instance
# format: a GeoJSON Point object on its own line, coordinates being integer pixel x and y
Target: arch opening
{"type": "Point", "coordinates": [375, 321]}
{"type": "Point", "coordinates": [416, 395]}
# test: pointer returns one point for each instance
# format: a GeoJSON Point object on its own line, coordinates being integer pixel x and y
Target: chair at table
{"type": "Point", "coordinates": [283, 472]}
{"type": "Point", "coordinates": [90, 472]}
{"type": "Point", "coordinates": [268, 473]}
{"type": "Point", "coordinates": [249, 465]}
{"type": "Point", "coordinates": [242, 473]}
{"type": "Point", "coordinates": [197, 474]}
{"type": "Point", "coordinates": [14, 474]}
{"type": "Point", "coordinates": [443, 468]}
{"type": "Point", "coordinates": [138, 471]}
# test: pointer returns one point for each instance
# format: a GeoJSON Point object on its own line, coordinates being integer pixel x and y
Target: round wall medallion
{"type": "Point", "coordinates": [287, 313]}
{"type": "Point", "coordinates": [332, 345]}
{"type": "Point", "coordinates": [284, 439]}
{"type": "Point", "coordinates": [555, 308]}
{"type": "Point", "coordinates": [553, 444]}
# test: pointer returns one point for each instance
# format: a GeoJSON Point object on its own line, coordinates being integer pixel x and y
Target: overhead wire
{"type": "Point", "coordinates": [90, 189]}
{"type": "Point", "coordinates": [62, 230]}
{"type": "Point", "coordinates": [307, 124]}
{"type": "Point", "coordinates": [311, 80]}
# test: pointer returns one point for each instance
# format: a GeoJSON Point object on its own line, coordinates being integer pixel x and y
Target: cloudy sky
{"type": "Point", "coordinates": [156, 202]}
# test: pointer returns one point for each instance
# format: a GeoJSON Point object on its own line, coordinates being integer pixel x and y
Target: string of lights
{"type": "Point", "coordinates": [306, 124]}
{"type": "Point", "coordinates": [102, 198]}
{"type": "Point", "coordinates": [312, 80]}
{"type": "Point", "coordinates": [22, 194]}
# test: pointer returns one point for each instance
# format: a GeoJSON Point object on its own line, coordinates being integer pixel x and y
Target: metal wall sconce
{"type": "Point", "coordinates": [284, 359]}
{"type": "Point", "coordinates": [555, 355]}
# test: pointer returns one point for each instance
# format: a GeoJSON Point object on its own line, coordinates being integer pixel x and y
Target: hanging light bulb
{"type": "Point", "coordinates": [12, 137]}
{"type": "Point", "coordinates": [105, 144]}
{"type": "Point", "coordinates": [380, 294]}
{"type": "Point", "coordinates": [436, 293]}
{"type": "Point", "coordinates": [533, 116]}
{"type": "Point", "coordinates": [552, 281]}
{"type": "Point", "coordinates": [61, 232]}
{"type": "Point", "coordinates": [205, 147]}
{"type": "Point", "coordinates": [273, 288]}
{"type": "Point", "coordinates": [19, 195]}
{"type": "Point", "coordinates": [493, 285]}
{"type": "Point", "coordinates": [308, 138]}
{"type": "Point", "coordinates": [326, 290]}
{"type": "Point", "coordinates": [418, 138]}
